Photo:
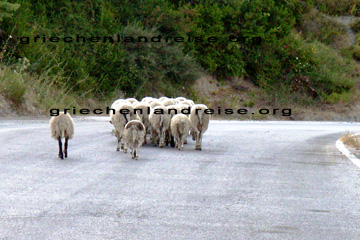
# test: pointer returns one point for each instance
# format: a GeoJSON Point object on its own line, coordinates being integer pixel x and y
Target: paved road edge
{"type": "Point", "coordinates": [340, 145]}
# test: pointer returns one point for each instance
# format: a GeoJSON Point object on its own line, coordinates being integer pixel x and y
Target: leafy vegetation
{"type": "Point", "coordinates": [284, 64]}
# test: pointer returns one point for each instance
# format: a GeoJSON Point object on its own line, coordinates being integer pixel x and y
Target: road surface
{"type": "Point", "coordinates": [253, 180]}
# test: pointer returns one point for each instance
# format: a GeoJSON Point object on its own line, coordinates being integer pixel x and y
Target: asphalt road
{"type": "Point", "coordinates": [253, 180]}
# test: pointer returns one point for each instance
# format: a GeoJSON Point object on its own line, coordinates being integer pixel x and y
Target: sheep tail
{"type": "Point", "coordinates": [182, 128]}
{"type": "Point", "coordinates": [134, 134]}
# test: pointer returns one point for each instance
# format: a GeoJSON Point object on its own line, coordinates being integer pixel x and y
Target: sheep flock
{"type": "Point", "coordinates": [165, 121]}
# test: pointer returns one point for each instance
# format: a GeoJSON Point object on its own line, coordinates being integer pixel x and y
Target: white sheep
{"type": "Point", "coordinates": [184, 108]}
{"type": "Point", "coordinates": [134, 133]}
{"type": "Point", "coordinates": [172, 110]}
{"type": "Point", "coordinates": [132, 100]}
{"type": "Point", "coordinates": [120, 119]}
{"type": "Point", "coordinates": [180, 126]}
{"type": "Point", "coordinates": [190, 103]}
{"type": "Point", "coordinates": [144, 115]}
{"type": "Point", "coordinates": [168, 102]}
{"type": "Point", "coordinates": [115, 103]}
{"type": "Point", "coordinates": [156, 103]}
{"type": "Point", "coordinates": [148, 99]}
{"type": "Point", "coordinates": [162, 98]}
{"type": "Point", "coordinates": [199, 123]}
{"type": "Point", "coordinates": [62, 126]}
{"type": "Point", "coordinates": [180, 99]}
{"type": "Point", "coordinates": [160, 122]}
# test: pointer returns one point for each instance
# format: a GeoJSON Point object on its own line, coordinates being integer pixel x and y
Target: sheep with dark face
{"type": "Point", "coordinates": [199, 122]}
{"type": "Point", "coordinates": [134, 133]}
{"type": "Point", "coordinates": [62, 126]}
{"type": "Point", "coordinates": [180, 126]}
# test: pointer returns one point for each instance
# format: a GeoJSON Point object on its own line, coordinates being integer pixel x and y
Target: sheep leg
{"type": "Point", "coordinates": [172, 141]}
{"type": "Point", "coordinates": [66, 146]}
{"type": "Point", "coordinates": [60, 149]}
{"type": "Point", "coordinates": [193, 135]}
{"type": "Point", "coordinates": [200, 138]}
{"type": "Point", "coordinates": [161, 144]}
{"type": "Point", "coordinates": [182, 140]}
{"type": "Point", "coordinates": [144, 139]}
{"type": "Point", "coordinates": [198, 141]}
{"type": "Point", "coordinates": [178, 142]}
{"type": "Point", "coordinates": [136, 155]}
{"type": "Point", "coordinates": [166, 138]}
{"type": "Point", "coordinates": [197, 145]}
{"type": "Point", "coordinates": [118, 145]}
{"type": "Point", "coordinates": [124, 148]}
{"type": "Point", "coordinates": [133, 151]}
{"type": "Point", "coordinates": [118, 140]}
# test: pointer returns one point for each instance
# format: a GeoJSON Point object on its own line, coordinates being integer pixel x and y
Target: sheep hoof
{"type": "Point", "coordinates": [198, 148]}
{"type": "Point", "coordinates": [181, 149]}
{"type": "Point", "coordinates": [185, 142]}
{"type": "Point", "coordinates": [125, 150]}
{"type": "Point", "coordinates": [117, 149]}
{"type": "Point", "coordinates": [61, 156]}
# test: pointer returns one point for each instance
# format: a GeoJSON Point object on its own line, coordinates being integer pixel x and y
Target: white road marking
{"type": "Point", "coordinates": [340, 145]}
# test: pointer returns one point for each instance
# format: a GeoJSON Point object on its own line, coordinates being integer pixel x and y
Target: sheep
{"type": "Point", "coordinates": [190, 103]}
{"type": "Point", "coordinates": [199, 123]}
{"type": "Point", "coordinates": [155, 103]}
{"type": "Point", "coordinates": [144, 116]}
{"type": "Point", "coordinates": [168, 102]}
{"type": "Point", "coordinates": [184, 108]}
{"type": "Point", "coordinates": [172, 110]}
{"type": "Point", "coordinates": [115, 103]}
{"type": "Point", "coordinates": [180, 126]}
{"type": "Point", "coordinates": [120, 100]}
{"type": "Point", "coordinates": [119, 120]}
{"type": "Point", "coordinates": [181, 99]}
{"type": "Point", "coordinates": [62, 126]}
{"type": "Point", "coordinates": [162, 98]}
{"type": "Point", "coordinates": [131, 100]}
{"type": "Point", "coordinates": [148, 99]}
{"type": "Point", "coordinates": [160, 122]}
{"type": "Point", "coordinates": [134, 133]}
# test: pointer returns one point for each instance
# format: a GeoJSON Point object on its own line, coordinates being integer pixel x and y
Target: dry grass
{"type": "Point", "coordinates": [351, 140]}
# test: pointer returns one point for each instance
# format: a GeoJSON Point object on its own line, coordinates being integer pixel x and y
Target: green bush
{"type": "Point", "coordinates": [12, 86]}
